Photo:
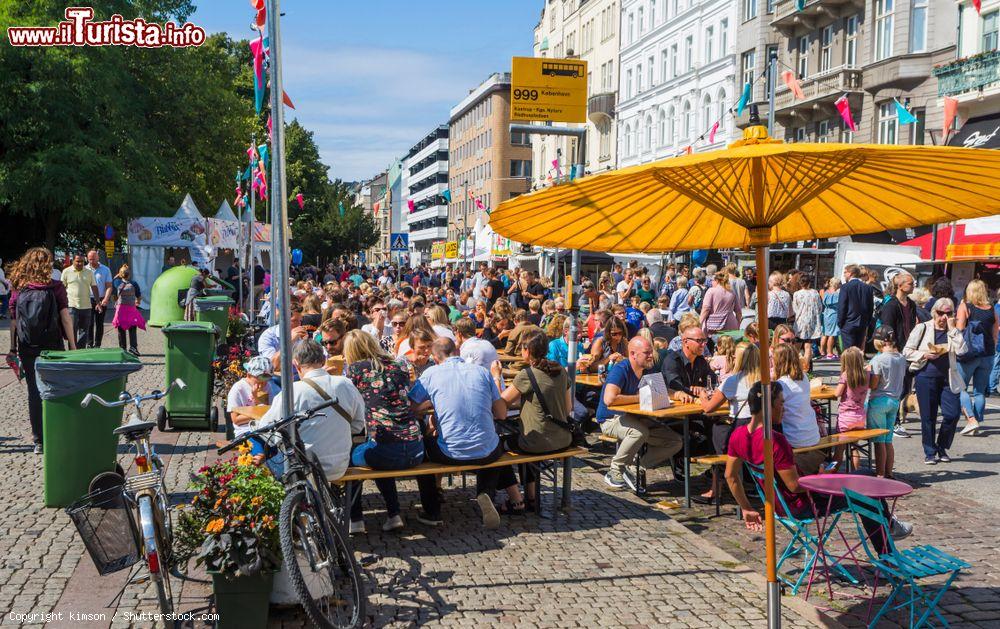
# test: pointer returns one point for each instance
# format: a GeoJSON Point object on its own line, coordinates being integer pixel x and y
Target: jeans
{"type": "Point", "coordinates": [995, 373]}
{"type": "Point", "coordinates": [81, 325]}
{"type": "Point", "coordinates": [4, 301]}
{"type": "Point", "coordinates": [392, 455]}
{"type": "Point", "coordinates": [853, 338]}
{"type": "Point", "coordinates": [977, 371]}
{"type": "Point", "coordinates": [97, 326]}
{"type": "Point", "coordinates": [932, 393]}
{"type": "Point", "coordinates": [34, 398]}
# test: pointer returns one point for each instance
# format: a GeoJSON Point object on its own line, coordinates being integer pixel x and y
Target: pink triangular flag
{"type": "Point", "coordinates": [409, 204]}
{"type": "Point", "coordinates": [286, 100]}
{"type": "Point", "coordinates": [793, 84]}
{"type": "Point", "coordinates": [979, 6]}
{"type": "Point", "coordinates": [257, 49]}
{"type": "Point", "coordinates": [711, 133]}
{"type": "Point", "coordinates": [270, 128]}
{"type": "Point", "coordinates": [844, 107]}
{"type": "Point", "coordinates": [950, 113]}
{"type": "Point", "coordinates": [298, 198]}
{"type": "Point", "coordinates": [479, 204]}
{"type": "Point", "coordinates": [252, 154]}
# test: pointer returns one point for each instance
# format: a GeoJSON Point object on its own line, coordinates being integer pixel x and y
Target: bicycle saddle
{"type": "Point", "coordinates": [134, 429]}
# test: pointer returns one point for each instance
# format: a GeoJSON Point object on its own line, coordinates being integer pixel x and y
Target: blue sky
{"type": "Point", "coordinates": [370, 79]}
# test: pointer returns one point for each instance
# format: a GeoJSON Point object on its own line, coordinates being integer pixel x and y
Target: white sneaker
{"type": "Point", "coordinates": [357, 528]}
{"type": "Point", "coordinates": [491, 519]}
{"type": "Point", "coordinates": [971, 427]}
{"type": "Point", "coordinates": [394, 523]}
{"type": "Point", "coordinates": [900, 431]}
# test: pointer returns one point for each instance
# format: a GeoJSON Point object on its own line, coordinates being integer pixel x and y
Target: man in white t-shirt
{"type": "Point", "coordinates": [479, 281]}
{"type": "Point", "coordinates": [625, 288]}
{"type": "Point", "coordinates": [473, 349]}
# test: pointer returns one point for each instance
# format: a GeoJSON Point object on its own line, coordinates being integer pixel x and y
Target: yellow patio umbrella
{"type": "Point", "coordinates": [757, 192]}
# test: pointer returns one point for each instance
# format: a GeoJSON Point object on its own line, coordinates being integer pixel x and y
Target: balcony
{"type": "Point", "coordinates": [788, 20]}
{"type": "Point", "coordinates": [431, 233]}
{"type": "Point", "coordinates": [821, 91]}
{"type": "Point", "coordinates": [969, 75]}
{"type": "Point", "coordinates": [601, 107]}
{"type": "Point", "coordinates": [436, 211]}
{"type": "Point", "coordinates": [904, 72]}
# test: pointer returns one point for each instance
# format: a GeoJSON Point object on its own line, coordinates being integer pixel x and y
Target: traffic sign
{"type": "Point", "coordinates": [400, 242]}
{"type": "Point", "coordinates": [548, 90]}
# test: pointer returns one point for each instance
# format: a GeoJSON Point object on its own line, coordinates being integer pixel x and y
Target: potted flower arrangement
{"type": "Point", "coordinates": [230, 527]}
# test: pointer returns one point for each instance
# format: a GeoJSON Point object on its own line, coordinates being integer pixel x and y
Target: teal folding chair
{"type": "Point", "coordinates": [804, 539]}
{"type": "Point", "coordinates": [903, 567]}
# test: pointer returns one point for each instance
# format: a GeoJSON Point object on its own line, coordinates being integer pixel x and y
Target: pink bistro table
{"type": "Point", "coordinates": [832, 485]}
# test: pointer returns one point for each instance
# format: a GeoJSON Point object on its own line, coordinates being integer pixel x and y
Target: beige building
{"type": "Point", "coordinates": [872, 51]}
{"type": "Point", "coordinates": [588, 30]}
{"type": "Point", "coordinates": [486, 164]}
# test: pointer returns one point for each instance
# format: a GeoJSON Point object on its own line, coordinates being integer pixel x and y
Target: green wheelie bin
{"type": "Point", "coordinates": [190, 350]}
{"type": "Point", "coordinates": [214, 309]}
{"type": "Point", "coordinates": [79, 443]}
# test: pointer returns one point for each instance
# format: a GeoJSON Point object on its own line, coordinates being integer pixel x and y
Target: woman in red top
{"type": "Point", "coordinates": [39, 320]}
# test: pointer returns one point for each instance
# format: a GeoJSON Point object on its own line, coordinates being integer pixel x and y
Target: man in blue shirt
{"type": "Point", "coordinates": [102, 274]}
{"type": "Point", "coordinates": [466, 401]}
{"type": "Point", "coordinates": [632, 431]}
{"type": "Point", "coordinates": [679, 299]}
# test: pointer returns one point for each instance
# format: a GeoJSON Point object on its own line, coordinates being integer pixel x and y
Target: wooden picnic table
{"type": "Point", "coordinates": [589, 380]}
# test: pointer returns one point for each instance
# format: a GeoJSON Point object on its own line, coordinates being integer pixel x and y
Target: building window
{"type": "Point", "coordinates": [662, 130]}
{"type": "Point", "coordinates": [803, 59]}
{"type": "Point", "coordinates": [674, 60]}
{"type": "Point", "coordinates": [749, 10]}
{"type": "Point", "coordinates": [671, 126]}
{"type": "Point", "coordinates": [918, 26]}
{"type": "Point", "coordinates": [823, 131]}
{"type": "Point", "coordinates": [706, 113]}
{"type": "Point", "coordinates": [649, 71]}
{"type": "Point", "coordinates": [605, 130]}
{"type": "Point", "coordinates": [689, 52]}
{"type": "Point", "coordinates": [642, 21]}
{"type": "Point", "coordinates": [628, 84]}
{"type": "Point", "coordinates": [991, 22]}
{"type": "Point", "coordinates": [826, 49]}
{"type": "Point", "coordinates": [851, 42]}
{"type": "Point", "coordinates": [709, 43]}
{"type": "Point", "coordinates": [689, 122]}
{"type": "Point", "coordinates": [638, 79]}
{"type": "Point", "coordinates": [917, 127]}
{"type": "Point", "coordinates": [770, 5]}
{"type": "Point", "coordinates": [649, 133]}
{"type": "Point", "coordinates": [652, 14]}
{"type": "Point", "coordinates": [520, 168]}
{"type": "Point", "coordinates": [800, 134]}
{"type": "Point", "coordinates": [747, 62]}
{"type": "Point", "coordinates": [888, 123]}
{"type": "Point", "coordinates": [723, 38]}
{"type": "Point", "coordinates": [520, 138]}
{"type": "Point", "coordinates": [664, 68]}
{"type": "Point", "coordinates": [883, 29]}
{"type": "Point", "coordinates": [631, 28]}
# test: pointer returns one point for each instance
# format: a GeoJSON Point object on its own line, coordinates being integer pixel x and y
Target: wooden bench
{"type": "Point", "coordinates": [354, 475]}
{"type": "Point", "coordinates": [850, 438]}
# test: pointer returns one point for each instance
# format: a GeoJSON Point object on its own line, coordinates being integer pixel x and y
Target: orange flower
{"type": "Point", "coordinates": [256, 501]}
{"type": "Point", "coordinates": [244, 447]}
{"type": "Point", "coordinates": [244, 460]}
{"type": "Point", "coordinates": [236, 500]}
{"type": "Point", "coordinates": [215, 526]}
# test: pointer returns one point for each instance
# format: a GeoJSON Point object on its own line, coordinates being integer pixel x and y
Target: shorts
{"type": "Point", "coordinates": [845, 424]}
{"type": "Point", "coordinates": [882, 414]}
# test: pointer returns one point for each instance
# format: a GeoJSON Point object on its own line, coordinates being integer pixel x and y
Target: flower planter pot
{"type": "Point", "coordinates": [242, 601]}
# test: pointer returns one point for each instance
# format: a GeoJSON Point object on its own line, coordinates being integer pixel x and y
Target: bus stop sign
{"type": "Point", "coordinates": [548, 90]}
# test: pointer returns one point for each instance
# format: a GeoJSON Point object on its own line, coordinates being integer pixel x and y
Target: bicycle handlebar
{"type": "Point", "coordinates": [295, 418]}
{"type": "Point", "coordinates": [126, 398]}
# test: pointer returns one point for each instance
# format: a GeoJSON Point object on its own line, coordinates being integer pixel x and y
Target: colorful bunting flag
{"type": "Point", "coordinates": [258, 93]}
{"type": "Point", "coordinates": [261, 17]}
{"type": "Point", "coordinates": [301, 201]}
{"type": "Point", "coordinates": [409, 204]}
{"type": "Point", "coordinates": [447, 196]}
{"type": "Point", "coordinates": [479, 204]}
{"type": "Point", "coordinates": [689, 150]}
{"type": "Point", "coordinates": [711, 133]}
{"type": "Point", "coordinates": [286, 100]}
{"type": "Point", "coordinates": [950, 113]}
{"type": "Point", "coordinates": [264, 157]}
{"type": "Point", "coordinates": [793, 84]}
{"type": "Point", "coordinates": [270, 128]}
{"type": "Point", "coordinates": [744, 99]}
{"type": "Point", "coordinates": [979, 6]}
{"type": "Point", "coordinates": [800, 4]}
{"type": "Point", "coordinates": [247, 174]}
{"type": "Point", "coordinates": [844, 107]}
{"type": "Point", "coordinates": [555, 164]}
{"type": "Point", "coordinates": [257, 49]}
{"type": "Point", "coordinates": [904, 115]}
{"type": "Point", "coordinates": [252, 154]}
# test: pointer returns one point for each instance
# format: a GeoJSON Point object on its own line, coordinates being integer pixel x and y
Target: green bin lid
{"type": "Point", "coordinates": [205, 327]}
{"type": "Point", "coordinates": [94, 355]}
{"type": "Point", "coordinates": [215, 299]}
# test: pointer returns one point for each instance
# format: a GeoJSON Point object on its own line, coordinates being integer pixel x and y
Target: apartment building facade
{"type": "Point", "coordinates": [588, 30]}
{"type": "Point", "coordinates": [678, 77]}
{"type": "Point", "coordinates": [486, 164]}
{"type": "Point", "coordinates": [972, 76]}
{"type": "Point", "coordinates": [425, 182]}
{"type": "Point", "coordinates": [875, 52]}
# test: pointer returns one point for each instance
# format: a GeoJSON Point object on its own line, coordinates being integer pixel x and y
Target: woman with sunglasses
{"type": "Point", "coordinates": [932, 351]}
{"type": "Point", "coordinates": [612, 346]}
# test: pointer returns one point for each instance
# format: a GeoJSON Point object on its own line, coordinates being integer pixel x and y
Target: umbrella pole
{"type": "Point", "coordinates": [773, 587]}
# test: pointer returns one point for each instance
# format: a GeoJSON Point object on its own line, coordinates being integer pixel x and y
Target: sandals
{"type": "Point", "coordinates": [512, 508]}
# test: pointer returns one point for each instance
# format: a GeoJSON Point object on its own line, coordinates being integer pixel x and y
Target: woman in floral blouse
{"type": "Point", "coordinates": [394, 438]}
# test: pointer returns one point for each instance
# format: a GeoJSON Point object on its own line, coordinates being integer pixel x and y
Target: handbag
{"type": "Point", "coordinates": [574, 428]}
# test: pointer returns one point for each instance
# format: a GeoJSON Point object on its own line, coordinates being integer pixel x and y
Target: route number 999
{"type": "Point", "coordinates": [525, 94]}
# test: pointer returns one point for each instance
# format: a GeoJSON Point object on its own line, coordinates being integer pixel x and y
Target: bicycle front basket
{"type": "Point", "coordinates": [105, 523]}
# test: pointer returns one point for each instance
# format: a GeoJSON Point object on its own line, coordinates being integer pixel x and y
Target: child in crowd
{"type": "Point", "coordinates": [535, 312]}
{"type": "Point", "coordinates": [888, 370]}
{"type": "Point", "coordinates": [852, 390]}
{"type": "Point", "coordinates": [725, 357]}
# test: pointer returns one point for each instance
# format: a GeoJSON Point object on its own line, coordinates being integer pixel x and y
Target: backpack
{"type": "Point", "coordinates": [38, 320]}
{"type": "Point", "coordinates": [975, 338]}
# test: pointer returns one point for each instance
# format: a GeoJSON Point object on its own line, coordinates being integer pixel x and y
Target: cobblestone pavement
{"type": "Point", "coordinates": [612, 562]}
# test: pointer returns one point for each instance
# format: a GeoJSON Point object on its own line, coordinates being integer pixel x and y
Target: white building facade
{"type": "Point", "coordinates": [678, 77]}
{"type": "Point", "coordinates": [587, 30]}
{"type": "Point", "coordinates": [425, 180]}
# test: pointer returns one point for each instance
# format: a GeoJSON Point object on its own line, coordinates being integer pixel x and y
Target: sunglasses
{"type": "Point", "coordinates": [398, 324]}
{"type": "Point", "coordinates": [787, 339]}
{"type": "Point", "coordinates": [329, 342]}
{"type": "Point", "coordinates": [945, 313]}
{"type": "Point", "coordinates": [698, 341]}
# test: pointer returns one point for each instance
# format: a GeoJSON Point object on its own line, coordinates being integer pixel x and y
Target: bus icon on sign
{"type": "Point", "coordinates": [562, 69]}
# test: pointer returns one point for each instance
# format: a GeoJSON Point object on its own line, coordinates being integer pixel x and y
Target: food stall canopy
{"type": "Point", "coordinates": [982, 132]}
{"type": "Point", "coordinates": [977, 231]}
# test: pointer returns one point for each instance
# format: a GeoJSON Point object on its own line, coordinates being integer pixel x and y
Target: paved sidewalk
{"type": "Point", "coordinates": [613, 562]}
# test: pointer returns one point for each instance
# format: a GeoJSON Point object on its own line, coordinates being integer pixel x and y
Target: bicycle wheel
{"type": "Point", "coordinates": [156, 550]}
{"type": "Point", "coordinates": [320, 564]}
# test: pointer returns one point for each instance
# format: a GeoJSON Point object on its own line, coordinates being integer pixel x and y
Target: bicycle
{"type": "Point", "coordinates": [143, 496]}
{"type": "Point", "coordinates": [320, 563]}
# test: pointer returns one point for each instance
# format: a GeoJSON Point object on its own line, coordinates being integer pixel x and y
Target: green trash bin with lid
{"type": "Point", "coordinates": [78, 442]}
{"type": "Point", "coordinates": [222, 288]}
{"type": "Point", "coordinates": [189, 349]}
{"type": "Point", "coordinates": [215, 310]}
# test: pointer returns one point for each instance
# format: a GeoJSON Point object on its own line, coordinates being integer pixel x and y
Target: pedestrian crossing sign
{"type": "Point", "coordinates": [400, 242]}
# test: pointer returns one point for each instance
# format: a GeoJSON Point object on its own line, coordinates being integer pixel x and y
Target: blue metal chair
{"type": "Point", "coordinates": [803, 532]}
{"type": "Point", "coordinates": [903, 567]}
